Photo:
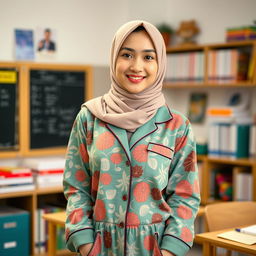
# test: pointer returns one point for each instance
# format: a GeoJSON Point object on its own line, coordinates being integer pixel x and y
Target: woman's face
{"type": "Point", "coordinates": [136, 64]}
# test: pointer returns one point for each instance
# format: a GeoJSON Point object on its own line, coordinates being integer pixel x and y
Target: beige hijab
{"type": "Point", "coordinates": [121, 108]}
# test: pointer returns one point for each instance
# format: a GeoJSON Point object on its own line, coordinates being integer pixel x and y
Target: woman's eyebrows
{"type": "Point", "coordinates": [133, 50]}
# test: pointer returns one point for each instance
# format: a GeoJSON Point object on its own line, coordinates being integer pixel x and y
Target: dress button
{"type": "Point", "coordinates": [127, 163]}
{"type": "Point", "coordinates": [121, 224]}
{"type": "Point", "coordinates": [124, 197]}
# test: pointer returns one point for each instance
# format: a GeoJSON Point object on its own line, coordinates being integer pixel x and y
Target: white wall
{"type": "Point", "coordinates": [213, 17]}
{"type": "Point", "coordinates": [84, 27]}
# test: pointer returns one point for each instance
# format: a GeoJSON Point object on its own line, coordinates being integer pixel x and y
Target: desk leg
{"type": "Point", "coordinates": [51, 239]}
{"type": "Point", "coordinates": [206, 249]}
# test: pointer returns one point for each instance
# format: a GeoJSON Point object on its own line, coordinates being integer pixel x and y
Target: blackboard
{"type": "Point", "coordinates": [8, 108]}
{"type": "Point", "coordinates": [55, 99]}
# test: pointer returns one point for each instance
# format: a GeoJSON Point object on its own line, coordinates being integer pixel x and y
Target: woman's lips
{"type": "Point", "coordinates": [135, 79]}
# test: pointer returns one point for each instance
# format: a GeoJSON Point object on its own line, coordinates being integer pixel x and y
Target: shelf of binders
{"type": "Point", "coordinates": [219, 65]}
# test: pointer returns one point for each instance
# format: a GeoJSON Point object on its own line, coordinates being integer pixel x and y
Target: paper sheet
{"type": "Point", "coordinates": [238, 237]}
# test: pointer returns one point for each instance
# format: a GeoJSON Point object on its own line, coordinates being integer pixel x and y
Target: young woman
{"type": "Point", "coordinates": [131, 178]}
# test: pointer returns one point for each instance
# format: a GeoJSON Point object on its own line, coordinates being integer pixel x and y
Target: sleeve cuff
{"type": "Point", "coordinates": [78, 238]}
{"type": "Point", "coordinates": [174, 245]}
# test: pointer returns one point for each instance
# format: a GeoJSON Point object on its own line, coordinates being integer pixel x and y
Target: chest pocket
{"type": "Point", "coordinates": [160, 150]}
{"type": "Point", "coordinates": [159, 161]}
{"type": "Point", "coordinates": [159, 156]}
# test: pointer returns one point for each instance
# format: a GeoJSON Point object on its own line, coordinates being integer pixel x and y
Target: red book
{"type": "Point", "coordinates": [15, 170]}
{"type": "Point", "coordinates": [4, 174]}
{"type": "Point", "coordinates": [48, 171]}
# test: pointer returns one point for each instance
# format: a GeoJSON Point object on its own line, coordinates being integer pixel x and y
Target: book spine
{"type": "Point", "coordinates": [21, 180]}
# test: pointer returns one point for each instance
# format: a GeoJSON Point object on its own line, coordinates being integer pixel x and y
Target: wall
{"type": "Point", "coordinates": [213, 17]}
{"type": "Point", "coordinates": [84, 28]}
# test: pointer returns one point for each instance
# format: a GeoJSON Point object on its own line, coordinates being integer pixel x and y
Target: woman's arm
{"type": "Point", "coordinates": [77, 188]}
{"type": "Point", "coordinates": [182, 193]}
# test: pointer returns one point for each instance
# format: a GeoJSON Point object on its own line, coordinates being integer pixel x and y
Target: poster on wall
{"type": "Point", "coordinates": [46, 43]}
{"type": "Point", "coordinates": [24, 44]}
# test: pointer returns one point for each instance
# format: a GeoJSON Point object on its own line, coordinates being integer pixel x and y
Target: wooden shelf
{"type": "Point", "coordinates": [208, 85]}
{"type": "Point", "coordinates": [231, 161]}
{"type": "Point", "coordinates": [49, 190]}
{"type": "Point", "coordinates": [17, 194]}
{"type": "Point", "coordinates": [37, 191]}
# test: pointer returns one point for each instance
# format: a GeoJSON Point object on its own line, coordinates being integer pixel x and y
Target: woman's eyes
{"type": "Point", "coordinates": [126, 55]}
{"type": "Point", "coordinates": [149, 57]}
{"type": "Point", "coordinates": [146, 57]}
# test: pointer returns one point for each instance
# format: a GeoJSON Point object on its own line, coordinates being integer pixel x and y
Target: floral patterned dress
{"type": "Point", "coordinates": [131, 197]}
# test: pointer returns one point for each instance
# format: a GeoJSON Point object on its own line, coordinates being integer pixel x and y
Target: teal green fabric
{"type": "Point", "coordinates": [139, 195]}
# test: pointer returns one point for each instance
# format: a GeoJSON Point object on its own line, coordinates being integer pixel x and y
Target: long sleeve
{"type": "Point", "coordinates": [77, 187]}
{"type": "Point", "coordinates": [183, 194]}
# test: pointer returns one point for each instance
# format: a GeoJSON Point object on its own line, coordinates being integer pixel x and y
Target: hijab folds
{"type": "Point", "coordinates": [121, 108]}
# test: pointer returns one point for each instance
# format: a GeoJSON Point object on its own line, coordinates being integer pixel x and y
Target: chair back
{"type": "Point", "coordinates": [230, 215]}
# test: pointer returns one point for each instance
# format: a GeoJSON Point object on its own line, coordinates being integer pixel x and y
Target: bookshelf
{"type": "Point", "coordinates": [205, 50]}
{"type": "Point", "coordinates": [208, 163]}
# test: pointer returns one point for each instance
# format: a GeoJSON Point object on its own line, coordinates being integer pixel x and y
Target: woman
{"type": "Point", "coordinates": [131, 177]}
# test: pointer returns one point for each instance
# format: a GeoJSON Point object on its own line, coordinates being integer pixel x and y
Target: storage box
{"type": "Point", "coordinates": [15, 232]}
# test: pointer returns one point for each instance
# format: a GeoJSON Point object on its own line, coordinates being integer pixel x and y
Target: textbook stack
{"type": "Point", "coordinates": [46, 173]}
{"type": "Point", "coordinates": [15, 179]}
{"type": "Point", "coordinates": [242, 183]}
{"type": "Point", "coordinates": [185, 67]}
{"type": "Point", "coordinates": [241, 33]}
{"type": "Point", "coordinates": [41, 229]}
{"type": "Point", "coordinates": [228, 65]}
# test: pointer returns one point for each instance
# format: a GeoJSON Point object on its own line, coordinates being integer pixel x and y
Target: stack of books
{"type": "Point", "coordinates": [229, 65]}
{"type": "Point", "coordinates": [185, 67]}
{"type": "Point", "coordinates": [242, 183]}
{"type": "Point", "coordinates": [15, 179]}
{"type": "Point", "coordinates": [46, 173]}
{"type": "Point", "coordinates": [241, 33]}
{"type": "Point", "coordinates": [41, 229]}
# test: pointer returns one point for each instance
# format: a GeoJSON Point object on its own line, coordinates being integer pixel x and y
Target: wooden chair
{"type": "Point", "coordinates": [229, 215]}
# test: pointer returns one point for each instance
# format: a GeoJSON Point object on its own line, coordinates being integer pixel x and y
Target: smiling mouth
{"type": "Point", "coordinates": [135, 79]}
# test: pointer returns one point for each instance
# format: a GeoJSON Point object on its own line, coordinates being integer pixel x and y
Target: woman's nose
{"type": "Point", "coordinates": [136, 65]}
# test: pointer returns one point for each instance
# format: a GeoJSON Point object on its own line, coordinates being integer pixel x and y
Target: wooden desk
{"type": "Point", "coordinates": [54, 219]}
{"type": "Point", "coordinates": [210, 239]}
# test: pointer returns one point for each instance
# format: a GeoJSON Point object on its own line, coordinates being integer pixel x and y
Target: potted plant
{"type": "Point", "coordinates": [166, 31]}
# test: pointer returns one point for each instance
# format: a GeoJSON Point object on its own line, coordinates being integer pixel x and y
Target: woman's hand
{"type": "Point", "coordinates": [85, 249]}
{"type": "Point", "coordinates": [166, 253]}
